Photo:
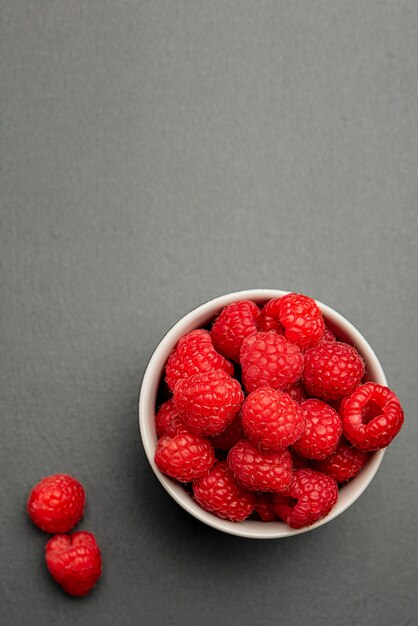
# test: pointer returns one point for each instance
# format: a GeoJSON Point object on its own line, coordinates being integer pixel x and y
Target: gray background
{"type": "Point", "coordinates": [157, 154]}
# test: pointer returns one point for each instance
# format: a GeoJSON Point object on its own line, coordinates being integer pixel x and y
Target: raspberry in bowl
{"type": "Point", "coordinates": [258, 380]}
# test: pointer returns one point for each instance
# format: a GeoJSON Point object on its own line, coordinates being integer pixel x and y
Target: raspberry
{"type": "Point", "coordinates": [260, 470]}
{"type": "Point", "coordinates": [194, 354]}
{"type": "Point", "coordinates": [272, 419]}
{"type": "Point", "coordinates": [229, 437]}
{"type": "Point", "coordinates": [269, 360]}
{"type": "Point", "coordinates": [264, 507]}
{"type": "Point", "coordinates": [218, 493]}
{"type": "Point", "coordinates": [332, 370]}
{"type": "Point", "coordinates": [344, 463]}
{"type": "Point", "coordinates": [322, 432]}
{"type": "Point", "coordinates": [315, 494]}
{"type": "Point", "coordinates": [269, 316]}
{"type": "Point", "coordinates": [372, 416]}
{"type": "Point", "coordinates": [56, 503]}
{"type": "Point", "coordinates": [168, 420]}
{"type": "Point", "coordinates": [207, 403]}
{"type": "Point", "coordinates": [300, 317]}
{"type": "Point", "coordinates": [74, 562]}
{"type": "Point", "coordinates": [328, 336]}
{"type": "Point", "coordinates": [184, 457]}
{"type": "Point", "coordinates": [296, 392]}
{"type": "Point", "coordinates": [235, 322]}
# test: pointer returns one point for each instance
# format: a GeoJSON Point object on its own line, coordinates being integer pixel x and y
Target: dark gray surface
{"type": "Point", "coordinates": [156, 154]}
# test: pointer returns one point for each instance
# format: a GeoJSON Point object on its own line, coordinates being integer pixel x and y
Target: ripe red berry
{"type": "Point", "coordinates": [264, 507]}
{"type": "Point", "coordinates": [272, 419]}
{"type": "Point", "coordinates": [322, 431]}
{"type": "Point", "coordinates": [56, 503]}
{"type": "Point", "coordinates": [194, 354]}
{"type": "Point", "coordinates": [168, 420]}
{"type": "Point", "coordinates": [235, 322]}
{"type": "Point", "coordinates": [344, 463]}
{"type": "Point", "coordinates": [310, 497]}
{"type": "Point", "coordinates": [300, 317]}
{"type": "Point", "coordinates": [328, 336]}
{"type": "Point", "coordinates": [184, 457]}
{"type": "Point", "coordinates": [269, 360]}
{"type": "Point", "coordinates": [218, 493]}
{"type": "Point", "coordinates": [229, 437]}
{"type": "Point", "coordinates": [296, 392]}
{"type": "Point", "coordinates": [207, 403]}
{"type": "Point", "coordinates": [372, 416]}
{"type": "Point", "coordinates": [332, 370]}
{"type": "Point", "coordinates": [260, 470]}
{"type": "Point", "coordinates": [74, 562]}
{"type": "Point", "coordinates": [269, 317]}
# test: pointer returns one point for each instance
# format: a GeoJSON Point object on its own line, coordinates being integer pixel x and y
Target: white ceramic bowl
{"type": "Point", "coordinates": [153, 374]}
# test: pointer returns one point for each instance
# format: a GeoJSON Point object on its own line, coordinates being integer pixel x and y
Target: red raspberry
{"type": "Point", "coordinates": [235, 322]}
{"type": "Point", "coordinates": [218, 493]}
{"type": "Point", "coordinates": [332, 370]}
{"type": "Point", "coordinates": [168, 420]}
{"type": "Point", "coordinates": [264, 507]}
{"type": "Point", "coordinates": [194, 354]}
{"type": "Point", "coordinates": [372, 416]}
{"type": "Point", "coordinates": [328, 336]}
{"type": "Point", "coordinates": [260, 470]}
{"type": "Point", "coordinates": [229, 437]}
{"type": "Point", "coordinates": [272, 419]}
{"type": "Point", "coordinates": [315, 494]}
{"type": "Point", "coordinates": [344, 463]}
{"type": "Point", "coordinates": [269, 360]}
{"type": "Point", "coordinates": [300, 317]}
{"type": "Point", "coordinates": [269, 317]}
{"type": "Point", "coordinates": [296, 392]}
{"type": "Point", "coordinates": [207, 403]}
{"type": "Point", "coordinates": [74, 562]}
{"type": "Point", "coordinates": [322, 432]}
{"type": "Point", "coordinates": [184, 457]}
{"type": "Point", "coordinates": [56, 503]}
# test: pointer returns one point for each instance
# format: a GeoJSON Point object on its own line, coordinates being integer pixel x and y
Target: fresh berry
{"type": "Point", "coordinates": [296, 392]}
{"type": "Point", "coordinates": [332, 370]}
{"type": "Point", "coordinates": [269, 360]}
{"type": "Point", "coordinates": [185, 456]}
{"type": "Point", "coordinates": [264, 507]}
{"type": "Point", "coordinates": [56, 503]}
{"type": "Point", "coordinates": [74, 562]}
{"type": "Point", "coordinates": [229, 437]}
{"type": "Point", "coordinates": [234, 323]}
{"type": "Point", "coordinates": [328, 336]}
{"type": "Point", "coordinates": [220, 494]}
{"type": "Point", "coordinates": [309, 498]}
{"type": "Point", "coordinates": [207, 403]}
{"type": "Point", "coordinates": [344, 463]}
{"type": "Point", "coordinates": [322, 432]}
{"type": "Point", "coordinates": [260, 470]}
{"type": "Point", "coordinates": [194, 354]}
{"type": "Point", "coordinates": [269, 317]}
{"type": "Point", "coordinates": [168, 420]}
{"type": "Point", "coordinates": [272, 419]}
{"type": "Point", "coordinates": [372, 416]}
{"type": "Point", "coordinates": [300, 317]}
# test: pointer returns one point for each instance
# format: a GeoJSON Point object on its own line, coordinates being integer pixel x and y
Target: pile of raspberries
{"type": "Point", "coordinates": [268, 413]}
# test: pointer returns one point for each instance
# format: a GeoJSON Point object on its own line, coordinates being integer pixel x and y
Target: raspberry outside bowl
{"type": "Point", "coordinates": [154, 373]}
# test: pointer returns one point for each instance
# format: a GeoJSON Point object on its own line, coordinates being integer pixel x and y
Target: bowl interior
{"type": "Point", "coordinates": [200, 317]}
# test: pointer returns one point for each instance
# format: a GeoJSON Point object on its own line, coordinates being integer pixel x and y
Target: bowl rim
{"type": "Point", "coordinates": [147, 396]}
